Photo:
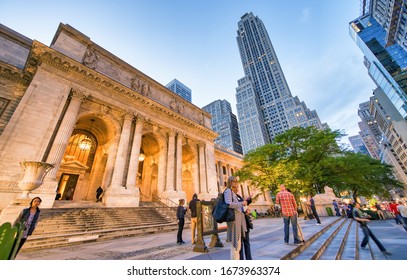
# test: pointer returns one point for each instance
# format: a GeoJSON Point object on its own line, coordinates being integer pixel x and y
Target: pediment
{"type": "Point", "coordinates": [74, 164]}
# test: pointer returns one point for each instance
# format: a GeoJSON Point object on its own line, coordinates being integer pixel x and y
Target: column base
{"type": "Point", "coordinates": [121, 197]}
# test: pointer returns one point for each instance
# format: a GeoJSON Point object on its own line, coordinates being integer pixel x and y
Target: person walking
{"type": "Point", "coordinates": [379, 211]}
{"type": "Point", "coordinates": [99, 193]}
{"type": "Point", "coordinates": [403, 214]}
{"type": "Point", "coordinates": [181, 211]}
{"type": "Point", "coordinates": [395, 212]}
{"type": "Point", "coordinates": [363, 218]}
{"type": "Point", "coordinates": [192, 208]}
{"type": "Point", "coordinates": [336, 207]}
{"type": "Point", "coordinates": [314, 210]}
{"type": "Point", "coordinates": [289, 211]}
{"type": "Point", "coordinates": [29, 219]}
{"type": "Point", "coordinates": [238, 226]}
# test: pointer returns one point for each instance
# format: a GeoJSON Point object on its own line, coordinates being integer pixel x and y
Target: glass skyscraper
{"type": "Point", "coordinates": [180, 89]}
{"type": "Point", "coordinates": [224, 122]}
{"type": "Point", "coordinates": [381, 34]}
{"type": "Point", "coordinates": [265, 105]}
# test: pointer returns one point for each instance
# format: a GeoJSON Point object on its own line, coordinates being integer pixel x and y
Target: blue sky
{"type": "Point", "coordinates": [195, 42]}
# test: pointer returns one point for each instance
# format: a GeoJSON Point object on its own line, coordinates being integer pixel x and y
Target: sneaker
{"type": "Point", "coordinates": [386, 253]}
{"type": "Point", "coordinates": [318, 224]}
{"type": "Point", "coordinates": [299, 243]}
{"type": "Point", "coordinates": [286, 243]}
{"type": "Point", "coordinates": [364, 248]}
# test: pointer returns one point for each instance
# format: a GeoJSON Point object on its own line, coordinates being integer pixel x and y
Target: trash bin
{"type": "Point", "coordinates": [329, 211]}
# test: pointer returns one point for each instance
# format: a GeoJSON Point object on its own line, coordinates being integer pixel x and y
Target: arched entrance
{"type": "Point", "coordinates": [84, 160]}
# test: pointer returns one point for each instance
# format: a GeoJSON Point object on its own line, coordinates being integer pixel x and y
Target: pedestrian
{"type": "Point", "coordinates": [181, 211]}
{"type": "Point", "coordinates": [336, 207]}
{"type": "Point", "coordinates": [245, 251]}
{"type": "Point", "coordinates": [403, 214]}
{"type": "Point", "coordinates": [363, 218]}
{"type": "Point", "coordinates": [28, 219]}
{"type": "Point", "coordinates": [396, 214]}
{"type": "Point", "coordinates": [379, 211]}
{"type": "Point", "coordinates": [238, 226]}
{"type": "Point", "coordinates": [289, 211]}
{"type": "Point", "coordinates": [99, 193]}
{"type": "Point", "coordinates": [314, 210]}
{"type": "Point", "coordinates": [192, 208]}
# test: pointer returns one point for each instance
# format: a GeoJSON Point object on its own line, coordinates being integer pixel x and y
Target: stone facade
{"type": "Point", "coordinates": [54, 99]}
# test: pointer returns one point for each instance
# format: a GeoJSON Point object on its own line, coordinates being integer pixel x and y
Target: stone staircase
{"type": "Point", "coordinates": [64, 226]}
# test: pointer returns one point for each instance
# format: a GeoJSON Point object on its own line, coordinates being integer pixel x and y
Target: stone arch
{"type": "Point", "coordinates": [85, 177]}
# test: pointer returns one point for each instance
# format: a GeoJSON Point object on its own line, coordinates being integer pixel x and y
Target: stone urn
{"type": "Point", "coordinates": [34, 173]}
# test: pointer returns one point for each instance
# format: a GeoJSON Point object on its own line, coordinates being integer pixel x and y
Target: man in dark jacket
{"type": "Point", "coordinates": [192, 207]}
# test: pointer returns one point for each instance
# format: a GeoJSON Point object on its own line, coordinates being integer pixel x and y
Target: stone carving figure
{"type": "Point", "coordinates": [91, 58]}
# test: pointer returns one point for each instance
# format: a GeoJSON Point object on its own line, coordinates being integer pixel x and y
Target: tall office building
{"type": "Point", "coordinates": [224, 122]}
{"type": "Point", "coordinates": [265, 105]}
{"type": "Point", "coordinates": [180, 89]}
{"type": "Point", "coordinates": [357, 144]}
{"type": "Point", "coordinates": [369, 130]}
{"type": "Point", "coordinates": [380, 32]}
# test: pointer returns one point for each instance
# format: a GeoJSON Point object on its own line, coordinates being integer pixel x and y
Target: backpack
{"type": "Point", "coordinates": [221, 212]}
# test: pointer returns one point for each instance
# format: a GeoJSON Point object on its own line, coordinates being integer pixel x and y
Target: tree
{"type": "Point", "coordinates": [360, 174]}
{"type": "Point", "coordinates": [307, 159]}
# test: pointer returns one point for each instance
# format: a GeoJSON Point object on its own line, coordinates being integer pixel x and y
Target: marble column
{"type": "Point", "coordinates": [202, 169]}
{"type": "Point", "coordinates": [178, 178]}
{"type": "Point", "coordinates": [117, 194]}
{"type": "Point", "coordinates": [170, 190]}
{"type": "Point", "coordinates": [64, 133]}
{"type": "Point", "coordinates": [134, 156]}
{"type": "Point", "coordinates": [210, 171]}
{"type": "Point", "coordinates": [221, 178]}
{"type": "Point", "coordinates": [134, 160]}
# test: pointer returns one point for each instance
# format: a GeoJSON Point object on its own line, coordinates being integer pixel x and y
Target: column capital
{"type": "Point", "coordinates": [78, 94]}
{"type": "Point", "coordinates": [172, 133]}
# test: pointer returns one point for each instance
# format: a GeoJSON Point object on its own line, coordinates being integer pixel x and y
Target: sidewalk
{"type": "Point", "coordinates": [266, 244]}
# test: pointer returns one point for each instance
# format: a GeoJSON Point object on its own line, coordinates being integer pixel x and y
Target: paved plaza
{"type": "Point", "coordinates": [266, 243]}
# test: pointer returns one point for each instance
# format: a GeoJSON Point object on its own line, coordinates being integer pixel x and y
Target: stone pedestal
{"type": "Point", "coordinates": [122, 197]}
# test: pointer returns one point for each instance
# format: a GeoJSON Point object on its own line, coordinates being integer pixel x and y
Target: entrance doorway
{"type": "Point", "coordinates": [67, 185]}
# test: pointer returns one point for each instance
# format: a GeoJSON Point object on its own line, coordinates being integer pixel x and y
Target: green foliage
{"type": "Point", "coordinates": [307, 159]}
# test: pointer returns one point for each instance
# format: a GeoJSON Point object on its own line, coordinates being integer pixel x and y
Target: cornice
{"type": "Point", "coordinates": [12, 73]}
{"type": "Point", "coordinates": [42, 54]}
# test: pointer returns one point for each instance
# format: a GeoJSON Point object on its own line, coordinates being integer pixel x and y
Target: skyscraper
{"type": "Point", "coordinates": [358, 145]}
{"type": "Point", "coordinates": [380, 32]}
{"type": "Point", "coordinates": [224, 123]}
{"type": "Point", "coordinates": [265, 105]}
{"type": "Point", "coordinates": [180, 89]}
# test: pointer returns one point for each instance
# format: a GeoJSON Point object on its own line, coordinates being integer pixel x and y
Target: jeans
{"type": "Point", "coordinates": [246, 248]}
{"type": "Point", "coordinates": [368, 233]}
{"type": "Point", "coordinates": [180, 228]}
{"type": "Point", "coordinates": [314, 212]}
{"type": "Point", "coordinates": [293, 220]}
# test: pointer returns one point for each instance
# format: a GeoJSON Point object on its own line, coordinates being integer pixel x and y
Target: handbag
{"type": "Point", "coordinates": [249, 221]}
{"type": "Point", "coordinates": [221, 212]}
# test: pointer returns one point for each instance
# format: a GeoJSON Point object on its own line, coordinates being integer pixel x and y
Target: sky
{"type": "Point", "coordinates": [195, 42]}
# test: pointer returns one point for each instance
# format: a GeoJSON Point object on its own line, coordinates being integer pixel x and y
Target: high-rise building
{"type": "Point", "coordinates": [380, 32]}
{"type": "Point", "coordinates": [224, 122]}
{"type": "Point", "coordinates": [385, 58]}
{"type": "Point", "coordinates": [369, 130]}
{"type": "Point", "coordinates": [357, 144]}
{"type": "Point", "coordinates": [265, 106]}
{"type": "Point", "coordinates": [180, 89]}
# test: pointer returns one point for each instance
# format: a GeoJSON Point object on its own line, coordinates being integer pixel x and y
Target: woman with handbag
{"type": "Point", "coordinates": [238, 226]}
